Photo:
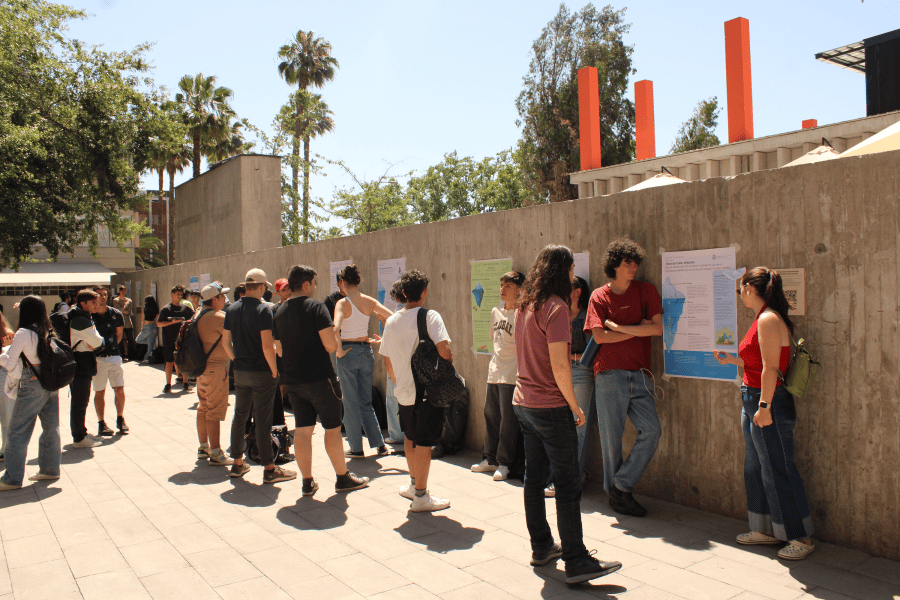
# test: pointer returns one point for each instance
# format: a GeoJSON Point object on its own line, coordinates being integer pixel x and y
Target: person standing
{"type": "Point", "coordinates": [582, 376]}
{"type": "Point", "coordinates": [305, 337]}
{"type": "Point", "coordinates": [149, 329]}
{"type": "Point", "coordinates": [249, 342]}
{"type": "Point", "coordinates": [170, 319]}
{"type": "Point", "coordinates": [212, 385]}
{"type": "Point", "coordinates": [110, 325]}
{"type": "Point", "coordinates": [501, 425]}
{"type": "Point", "coordinates": [6, 403]}
{"type": "Point", "coordinates": [125, 306]}
{"type": "Point", "coordinates": [544, 402]}
{"type": "Point", "coordinates": [391, 406]}
{"type": "Point", "coordinates": [356, 367]}
{"type": "Point", "coordinates": [622, 316]}
{"type": "Point", "coordinates": [334, 297]}
{"type": "Point", "coordinates": [422, 422]}
{"type": "Point", "coordinates": [84, 339]}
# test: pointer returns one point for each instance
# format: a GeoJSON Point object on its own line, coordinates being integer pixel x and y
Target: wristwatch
{"type": "Point", "coordinates": [763, 404]}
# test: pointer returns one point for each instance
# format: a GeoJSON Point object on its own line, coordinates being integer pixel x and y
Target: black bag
{"type": "Point", "coordinates": [456, 417]}
{"type": "Point", "coordinates": [60, 324]}
{"type": "Point", "coordinates": [57, 364]}
{"type": "Point", "coordinates": [442, 383]}
{"type": "Point", "coordinates": [281, 443]}
{"type": "Point", "coordinates": [157, 356]}
{"type": "Point", "coordinates": [189, 355]}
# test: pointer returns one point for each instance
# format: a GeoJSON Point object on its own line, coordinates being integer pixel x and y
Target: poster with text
{"type": "Point", "coordinates": [699, 312]}
{"type": "Point", "coordinates": [583, 266]}
{"type": "Point", "coordinates": [195, 283]}
{"type": "Point", "coordinates": [138, 299]}
{"type": "Point", "coordinates": [389, 271]}
{"type": "Point", "coordinates": [793, 281]}
{"type": "Point", "coordinates": [204, 280]}
{"type": "Point", "coordinates": [485, 290]}
{"type": "Point", "coordinates": [335, 267]}
{"type": "Point", "coordinates": [153, 291]}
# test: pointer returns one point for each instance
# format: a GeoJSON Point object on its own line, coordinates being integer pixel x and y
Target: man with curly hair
{"type": "Point", "coordinates": [622, 316]}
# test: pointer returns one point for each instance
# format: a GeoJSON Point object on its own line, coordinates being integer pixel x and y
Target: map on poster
{"type": "Point", "coordinates": [335, 267]}
{"type": "Point", "coordinates": [389, 271]}
{"type": "Point", "coordinates": [699, 312]}
{"type": "Point", "coordinates": [195, 283]}
{"type": "Point", "coordinates": [485, 292]}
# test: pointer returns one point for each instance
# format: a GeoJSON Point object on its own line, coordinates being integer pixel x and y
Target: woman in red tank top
{"type": "Point", "coordinates": [776, 501]}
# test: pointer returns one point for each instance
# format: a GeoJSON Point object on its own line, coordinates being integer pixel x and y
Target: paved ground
{"type": "Point", "coordinates": [140, 518]}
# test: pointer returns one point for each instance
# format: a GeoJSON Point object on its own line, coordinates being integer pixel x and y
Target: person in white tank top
{"type": "Point", "coordinates": [356, 363]}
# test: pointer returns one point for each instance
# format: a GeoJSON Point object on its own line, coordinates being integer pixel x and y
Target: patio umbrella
{"type": "Point", "coordinates": [656, 181]}
{"type": "Point", "coordinates": [813, 156]}
{"type": "Point", "coordinates": [884, 141]}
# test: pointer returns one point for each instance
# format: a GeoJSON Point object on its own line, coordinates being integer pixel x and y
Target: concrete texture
{"type": "Point", "coordinates": [140, 517]}
{"type": "Point", "coordinates": [838, 220]}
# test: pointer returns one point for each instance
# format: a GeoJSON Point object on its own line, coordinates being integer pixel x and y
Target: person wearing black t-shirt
{"type": "Point", "coordinates": [110, 325]}
{"type": "Point", "coordinates": [171, 316]}
{"type": "Point", "coordinates": [332, 299]}
{"type": "Point", "coordinates": [304, 338]}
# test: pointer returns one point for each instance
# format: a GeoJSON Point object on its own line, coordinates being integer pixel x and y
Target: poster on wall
{"type": "Point", "coordinates": [204, 280]}
{"type": "Point", "coordinates": [583, 266]}
{"type": "Point", "coordinates": [794, 283]}
{"type": "Point", "coordinates": [153, 291]}
{"type": "Point", "coordinates": [699, 312]}
{"type": "Point", "coordinates": [128, 290]}
{"type": "Point", "coordinates": [195, 283]}
{"type": "Point", "coordinates": [485, 295]}
{"type": "Point", "coordinates": [335, 267]}
{"type": "Point", "coordinates": [389, 271]}
{"type": "Point", "coordinates": [138, 299]}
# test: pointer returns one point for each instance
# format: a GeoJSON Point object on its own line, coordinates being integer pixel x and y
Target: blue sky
{"type": "Point", "coordinates": [420, 79]}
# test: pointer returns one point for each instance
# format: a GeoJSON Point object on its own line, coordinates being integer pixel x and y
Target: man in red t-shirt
{"type": "Point", "coordinates": [622, 316]}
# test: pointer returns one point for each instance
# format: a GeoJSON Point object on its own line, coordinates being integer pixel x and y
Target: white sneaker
{"type": "Point", "coordinates": [408, 491]}
{"type": "Point", "coordinates": [428, 503]}
{"type": "Point", "coordinates": [502, 473]}
{"type": "Point", "coordinates": [87, 442]}
{"type": "Point", "coordinates": [42, 476]}
{"type": "Point", "coordinates": [484, 467]}
{"type": "Point", "coordinates": [96, 438]}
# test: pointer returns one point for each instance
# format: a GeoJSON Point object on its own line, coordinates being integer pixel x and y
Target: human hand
{"type": "Point", "coordinates": [579, 416]}
{"type": "Point", "coordinates": [763, 417]}
{"type": "Point", "coordinates": [341, 352]}
{"type": "Point", "coordinates": [275, 374]}
{"type": "Point", "coordinates": [611, 325]}
{"type": "Point", "coordinates": [723, 357]}
{"type": "Point", "coordinates": [8, 339]}
{"type": "Point", "coordinates": [375, 339]}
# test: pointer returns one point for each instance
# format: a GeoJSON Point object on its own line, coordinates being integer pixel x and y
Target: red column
{"type": "Point", "coordinates": [737, 69]}
{"type": "Point", "coordinates": [810, 123]}
{"type": "Point", "coordinates": [589, 118]}
{"type": "Point", "coordinates": [643, 119]}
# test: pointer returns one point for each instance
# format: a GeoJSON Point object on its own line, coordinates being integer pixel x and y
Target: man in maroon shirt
{"type": "Point", "coordinates": [622, 316]}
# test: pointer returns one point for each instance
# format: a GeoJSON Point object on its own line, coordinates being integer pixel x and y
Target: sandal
{"type": "Point", "coordinates": [755, 538]}
{"type": "Point", "coordinates": [796, 550]}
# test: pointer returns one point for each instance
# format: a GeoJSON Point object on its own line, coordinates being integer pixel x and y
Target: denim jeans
{"type": "Point", "coordinates": [254, 391]}
{"type": "Point", "coordinates": [392, 408]}
{"type": "Point", "coordinates": [776, 500]}
{"type": "Point", "coordinates": [501, 436]}
{"type": "Point", "coordinates": [355, 372]}
{"type": "Point", "coordinates": [550, 444]}
{"type": "Point", "coordinates": [622, 394]}
{"type": "Point", "coordinates": [6, 410]}
{"type": "Point", "coordinates": [33, 403]}
{"type": "Point", "coordinates": [149, 332]}
{"type": "Point", "coordinates": [583, 382]}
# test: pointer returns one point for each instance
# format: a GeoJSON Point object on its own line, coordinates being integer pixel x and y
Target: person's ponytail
{"type": "Point", "coordinates": [776, 300]}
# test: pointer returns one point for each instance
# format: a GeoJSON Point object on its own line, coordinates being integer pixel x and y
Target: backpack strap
{"type": "Point", "coordinates": [423, 327]}
{"type": "Point", "coordinates": [197, 318]}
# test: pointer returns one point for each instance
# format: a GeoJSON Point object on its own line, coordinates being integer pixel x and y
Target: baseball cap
{"type": "Point", "coordinates": [212, 290]}
{"type": "Point", "coordinates": [281, 284]}
{"type": "Point", "coordinates": [256, 276]}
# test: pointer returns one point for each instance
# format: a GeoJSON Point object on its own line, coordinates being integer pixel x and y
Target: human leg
{"type": "Point", "coordinates": [169, 367]}
{"type": "Point", "coordinates": [29, 403]}
{"type": "Point", "coordinates": [612, 393]}
{"type": "Point", "coordinates": [80, 392]}
{"type": "Point", "coordinates": [263, 398]}
{"type": "Point", "coordinates": [583, 382]}
{"type": "Point", "coordinates": [758, 513]}
{"type": "Point", "coordinates": [537, 473]}
{"type": "Point", "coordinates": [243, 405]}
{"type": "Point", "coordinates": [303, 449]}
{"type": "Point", "coordinates": [202, 430]}
{"type": "Point", "coordinates": [352, 418]}
{"type": "Point", "coordinates": [393, 411]}
{"type": "Point", "coordinates": [6, 408]}
{"type": "Point", "coordinates": [50, 447]}
{"type": "Point", "coordinates": [492, 418]}
{"type": "Point", "coordinates": [509, 426]}
{"type": "Point", "coordinates": [642, 412]}
{"type": "Point", "coordinates": [364, 396]}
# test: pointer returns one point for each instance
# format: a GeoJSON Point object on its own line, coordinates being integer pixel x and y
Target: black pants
{"type": "Point", "coordinates": [255, 393]}
{"type": "Point", "coordinates": [127, 343]}
{"type": "Point", "coordinates": [80, 388]}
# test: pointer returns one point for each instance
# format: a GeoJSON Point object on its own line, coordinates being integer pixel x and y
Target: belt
{"type": "Point", "coordinates": [358, 343]}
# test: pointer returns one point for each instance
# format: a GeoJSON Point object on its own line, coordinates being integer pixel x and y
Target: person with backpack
{"type": "Point", "coordinates": [84, 339]}
{"type": "Point", "coordinates": [170, 318]}
{"type": "Point", "coordinates": [111, 326]}
{"type": "Point", "coordinates": [23, 359]}
{"type": "Point", "coordinates": [6, 403]}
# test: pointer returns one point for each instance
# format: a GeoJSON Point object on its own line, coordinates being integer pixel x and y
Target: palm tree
{"type": "Point", "coordinates": [318, 120]}
{"type": "Point", "coordinates": [204, 106]}
{"type": "Point", "coordinates": [227, 142]}
{"type": "Point", "coordinates": [176, 161]}
{"type": "Point", "coordinates": [305, 61]}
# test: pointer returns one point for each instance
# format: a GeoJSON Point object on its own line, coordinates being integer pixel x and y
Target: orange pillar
{"type": "Point", "coordinates": [643, 119]}
{"type": "Point", "coordinates": [737, 69]}
{"type": "Point", "coordinates": [810, 123]}
{"type": "Point", "coordinates": [589, 118]}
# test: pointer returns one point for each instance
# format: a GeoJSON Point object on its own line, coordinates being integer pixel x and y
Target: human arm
{"type": "Point", "coordinates": [561, 366]}
{"type": "Point", "coordinates": [330, 340]}
{"type": "Point", "coordinates": [120, 332]}
{"type": "Point", "coordinates": [342, 310]}
{"type": "Point", "coordinates": [728, 359]}
{"type": "Point", "coordinates": [23, 339]}
{"type": "Point", "coordinates": [768, 329]}
{"type": "Point", "coordinates": [268, 348]}
{"type": "Point", "coordinates": [227, 344]}
{"type": "Point", "coordinates": [646, 328]}
{"type": "Point", "coordinates": [390, 369]}
{"type": "Point", "coordinates": [443, 349]}
{"type": "Point", "coordinates": [381, 311]}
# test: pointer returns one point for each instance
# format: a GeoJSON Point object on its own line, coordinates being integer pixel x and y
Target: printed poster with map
{"type": "Point", "coordinates": [485, 295]}
{"type": "Point", "coordinates": [389, 271]}
{"type": "Point", "coordinates": [699, 312]}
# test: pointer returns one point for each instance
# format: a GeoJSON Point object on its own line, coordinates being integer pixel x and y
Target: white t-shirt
{"type": "Point", "coordinates": [503, 330]}
{"type": "Point", "coordinates": [399, 341]}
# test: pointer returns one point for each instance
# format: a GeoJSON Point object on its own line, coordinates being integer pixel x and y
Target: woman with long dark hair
{"type": "Point", "coordinates": [544, 402]}
{"type": "Point", "coordinates": [6, 403]}
{"type": "Point", "coordinates": [33, 402]}
{"type": "Point", "coordinates": [149, 329]}
{"type": "Point", "coordinates": [776, 501]}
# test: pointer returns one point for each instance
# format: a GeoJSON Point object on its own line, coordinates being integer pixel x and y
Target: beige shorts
{"type": "Point", "coordinates": [212, 391]}
{"type": "Point", "coordinates": [109, 370]}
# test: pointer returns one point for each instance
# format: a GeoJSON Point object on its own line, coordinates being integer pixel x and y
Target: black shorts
{"type": "Point", "coordinates": [422, 423]}
{"type": "Point", "coordinates": [322, 398]}
{"type": "Point", "coordinates": [169, 354]}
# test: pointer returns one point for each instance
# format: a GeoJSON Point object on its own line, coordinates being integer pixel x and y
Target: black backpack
{"type": "Point", "coordinates": [189, 355]}
{"type": "Point", "coordinates": [443, 385]}
{"type": "Point", "coordinates": [57, 364]}
{"type": "Point", "coordinates": [60, 324]}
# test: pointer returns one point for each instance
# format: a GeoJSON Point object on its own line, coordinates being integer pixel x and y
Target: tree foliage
{"type": "Point", "coordinates": [370, 205]}
{"type": "Point", "coordinates": [699, 131]}
{"type": "Point", "coordinates": [75, 131]}
{"type": "Point", "coordinates": [206, 110]}
{"type": "Point", "coordinates": [548, 102]}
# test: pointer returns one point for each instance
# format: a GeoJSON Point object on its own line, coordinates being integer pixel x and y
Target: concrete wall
{"type": "Point", "coordinates": [233, 208]}
{"type": "Point", "coordinates": [838, 220]}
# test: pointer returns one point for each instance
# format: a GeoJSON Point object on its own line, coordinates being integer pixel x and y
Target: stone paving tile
{"type": "Point", "coordinates": [94, 558]}
{"type": "Point", "coordinates": [430, 572]}
{"type": "Point", "coordinates": [477, 591]}
{"type": "Point", "coordinates": [322, 587]}
{"type": "Point", "coordinates": [174, 585]}
{"type": "Point", "coordinates": [517, 579]}
{"type": "Point", "coordinates": [43, 581]}
{"type": "Point", "coordinates": [880, 568]}
{"type": "Point", "coordinates": [113, 585]}
{"type": "Point", "coordinates": [809, 576]}
{"type": "Point", "coordinates": [13, 527]}
{"type": "Point", "coordinates": [760, 581]}
{"type": "Point", "coordinates": [150, 558]}
{"type": "Point", "coordinates": [261, 587]}
{"type": "Point", "coordinates": [223, 566]}
{"type": "Point", "coordinates": [32, 550]}
{"type": "Point", "coordinates": [680, 582]}
{"type": "Point", "coordinates": [363, 575]}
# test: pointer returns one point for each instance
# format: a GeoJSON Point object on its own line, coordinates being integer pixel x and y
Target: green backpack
{"type": "Point", "coordinates": [801, 371]}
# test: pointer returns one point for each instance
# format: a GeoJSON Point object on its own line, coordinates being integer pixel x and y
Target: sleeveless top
{"type": "Point", "coordinates": [751, 354]}
{"type": "Point", "coordinates": [356, 326]}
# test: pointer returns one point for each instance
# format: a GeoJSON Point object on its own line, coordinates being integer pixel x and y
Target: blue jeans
{"type": "Point", "coordinates": [392, 408]}
{"type": "Point", "coordinates": [33, 403]}
{"type": "Point", "coordinates": [6, 409]}
{"type": "Point", "coordinates": [355, 372]}
{"type": "Point", "coordinates": [583, 382]}
{"type": "Point", "coordinates": [622, 394]}
{"type": "Point", "coordinates": [550, 444]}
{"type": "Point", "coordinates": [776, 500]}
{"type": "Point", "coordinates": [149, 332]}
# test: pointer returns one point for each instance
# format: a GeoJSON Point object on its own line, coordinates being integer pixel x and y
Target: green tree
{"type": "Point", "coordinates": [370, 205]}
{"type": "Point", "coordinates": [76, 128]}
{"type": "Point", "coordinates": [206, 111]}
{"type": "Point", "coordinates": [548, 102]}
{"type": "Point", "coordinates": [227, 141]}
{"type": "Point", "coordinates": [305, 61]}
{"type": "Point", "coordinates": [177, 160]}
{"type": "Point", "coordinates": [699, 131]}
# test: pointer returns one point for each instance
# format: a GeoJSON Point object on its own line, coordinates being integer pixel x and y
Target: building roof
{"type": "Point", "coordinates": [851, 57]}
{"type": "Point", "coordinates": [58, 273]}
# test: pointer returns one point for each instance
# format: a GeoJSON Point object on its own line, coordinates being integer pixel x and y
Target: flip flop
{"type": "Point", "coordinates": [755, 538]}
{"type": "Point", "coordinates": [796, 551]}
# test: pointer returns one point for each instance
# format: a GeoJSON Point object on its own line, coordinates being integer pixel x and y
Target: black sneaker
{"type": "Point", "coordinates": [278, 474]}
{"type": "Point", "coordinates": [351, 454]}
{"type": "Point", "coordinates": [349, 482]}
{"type": "Point", "coordinates": [104, 430]}
{"type": "Point", "coordinates": [625, 504]}
{"type": "Point", "coordinates": [310, 487]}
{"type": "Point", "coordinates": [383, 450]}
{"type": "Point", "coordinates": [121, 426]}
{"type": "Point", "coordinates": [539, 559]}
{"type": "Point", "coordinates": [239, 470]}
{"type": "Point", "coordinates": [167, 389]}
{"type": "Point", "coordinates": [587, 568]}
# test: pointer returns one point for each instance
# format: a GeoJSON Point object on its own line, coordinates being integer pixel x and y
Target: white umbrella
{"type": "Point", "coordinates": [656, 181]}
{"type": "Point", "coordinates": [884, 141]}
{"type": "Point", "coordinates": [813, 156]}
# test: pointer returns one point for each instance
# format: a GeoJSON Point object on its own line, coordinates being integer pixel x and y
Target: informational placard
{"type": "Point", "coordinates": [583, 266]}
{"type": "Point", "coordinates": [794, 283]}
{"type": "Point", "coordinates": [485, 292]}
{"type": "Point", "coordinates": [153, 291]}
{"type": "Point", "coordinates": [699, 312]}
{"type": "Point", "coordinates": [204, 280]}
{"type": "Point", "coordinates": [195, 283]}
{"type": "Point", "coordinates": [128, 290]}
{"type": "Point", "coordinates": [138, 299]}
{"type": "Point", "coordinates": [389, 271]}
{"type": "Point", "coordinates": [335, 267]}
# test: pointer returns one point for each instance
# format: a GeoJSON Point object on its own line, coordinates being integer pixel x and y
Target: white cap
{"type": "Point", "coordinates": [257, 276]}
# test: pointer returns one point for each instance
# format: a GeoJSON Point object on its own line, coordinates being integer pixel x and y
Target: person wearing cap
{"type": "Point", "coordinates": [283, 290]}
{"type": "Point", "coordinates": [248, 341]}
{"type": "Point", "coordinates": [212, 385]}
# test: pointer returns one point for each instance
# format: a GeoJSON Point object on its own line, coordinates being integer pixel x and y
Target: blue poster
{"type": "Point", "coordinates": [195, 283]}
